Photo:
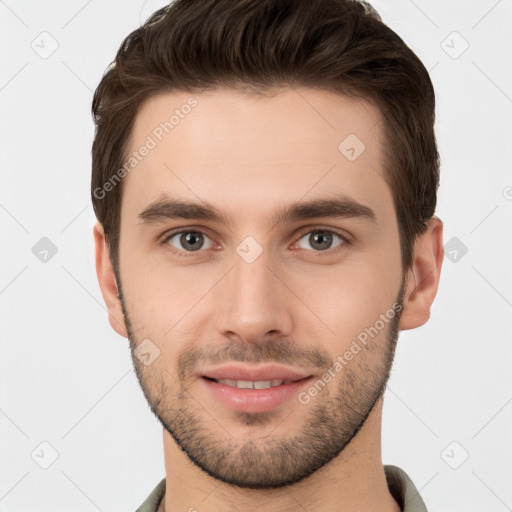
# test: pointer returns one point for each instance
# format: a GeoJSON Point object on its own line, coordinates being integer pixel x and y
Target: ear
{"type": "Point", "coordinates": [422, 278]}
{"type": "Point", "coordinates": [107, 282]}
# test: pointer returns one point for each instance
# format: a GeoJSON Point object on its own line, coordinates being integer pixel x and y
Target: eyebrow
{"type": "Point", "coordinates": [337, 207]}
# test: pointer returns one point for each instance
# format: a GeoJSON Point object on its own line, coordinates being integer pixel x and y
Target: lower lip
{"type": "Point", "coordinates": [254, 400]}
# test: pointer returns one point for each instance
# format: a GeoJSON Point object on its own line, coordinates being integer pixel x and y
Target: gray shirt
{"type": "Point", "coordinates": [399, 483]}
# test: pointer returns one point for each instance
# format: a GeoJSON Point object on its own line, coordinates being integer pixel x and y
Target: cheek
{"type": "Point", "coordinates": [164, 302]}
{"type": "Point", "coordinates": [348, 299]}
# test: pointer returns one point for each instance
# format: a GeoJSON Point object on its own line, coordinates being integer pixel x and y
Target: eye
{"type": "Point", "coordinates": [188, 240]}
{"type": "Point", "coordinates": [321, 239]}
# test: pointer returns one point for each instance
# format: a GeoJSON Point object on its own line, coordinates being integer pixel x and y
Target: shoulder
{"type": "Point", "coordinates": [403, 490]}
{"type": "Point", "coordinates": [153, 500]}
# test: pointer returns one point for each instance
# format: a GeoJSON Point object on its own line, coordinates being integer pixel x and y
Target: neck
{"type": "Point", "coordinates": [354, 481]}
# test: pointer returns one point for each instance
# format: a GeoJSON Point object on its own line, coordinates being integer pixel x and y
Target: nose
{"type": "Point", "coordinates": [255, 302]}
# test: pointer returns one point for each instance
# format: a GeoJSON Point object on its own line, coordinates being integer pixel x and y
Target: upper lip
{"type": "Point", "coordinates": [247, 373]}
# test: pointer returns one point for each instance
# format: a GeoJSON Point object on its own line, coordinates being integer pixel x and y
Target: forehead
{"type": "Point", "coordinates": [248, 151]}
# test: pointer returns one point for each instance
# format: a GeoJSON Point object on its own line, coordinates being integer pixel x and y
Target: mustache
{"type": "Point", "coordinates": [269, 351]}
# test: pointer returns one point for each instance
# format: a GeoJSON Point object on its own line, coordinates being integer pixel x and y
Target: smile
{"type": "Point", "coordinates": [252, 384]}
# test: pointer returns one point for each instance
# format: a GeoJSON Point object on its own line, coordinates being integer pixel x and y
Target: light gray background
{"type": "Point", "coordinates": [66, 378]}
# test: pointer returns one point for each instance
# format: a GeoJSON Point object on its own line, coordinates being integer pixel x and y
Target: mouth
{"type": "Point", "coordinates": [252, 377]}
{"type": "Point", "coordinates": [253, 390]}
{"type": "Point", "coordinates": [254, 384]}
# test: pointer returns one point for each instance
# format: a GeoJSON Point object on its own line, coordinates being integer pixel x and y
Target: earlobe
{"type": "Point", "coordinates": [107, 282]}
{"type": "Point", "coordinates": [422, 278]}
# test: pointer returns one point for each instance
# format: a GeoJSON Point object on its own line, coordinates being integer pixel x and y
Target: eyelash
{"type": "Point", "coordinates": [345, 238]}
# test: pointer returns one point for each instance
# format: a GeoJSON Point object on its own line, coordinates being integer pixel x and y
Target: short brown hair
{"type": "Point", "coordinates": [334, 45]}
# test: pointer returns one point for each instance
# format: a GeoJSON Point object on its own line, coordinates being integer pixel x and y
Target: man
{"type": "Point", "coordinates": [265, 178]}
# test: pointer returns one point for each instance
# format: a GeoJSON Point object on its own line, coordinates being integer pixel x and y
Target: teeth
{"type": "Point", "coordinates": [261, 384]}
{"type": "Point", "coordinates": [228, 382]}
{"type": "Point", "coordinates": [248, 384]}
{"type": "Point", "coordinates": [244, 384]}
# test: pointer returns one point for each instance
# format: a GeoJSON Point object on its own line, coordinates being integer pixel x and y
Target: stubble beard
{"type": "Point", "coordinates": [330, 421]}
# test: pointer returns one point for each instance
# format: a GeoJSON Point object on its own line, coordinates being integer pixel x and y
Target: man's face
{"type": "Point", "coordinates": [253, 291]}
